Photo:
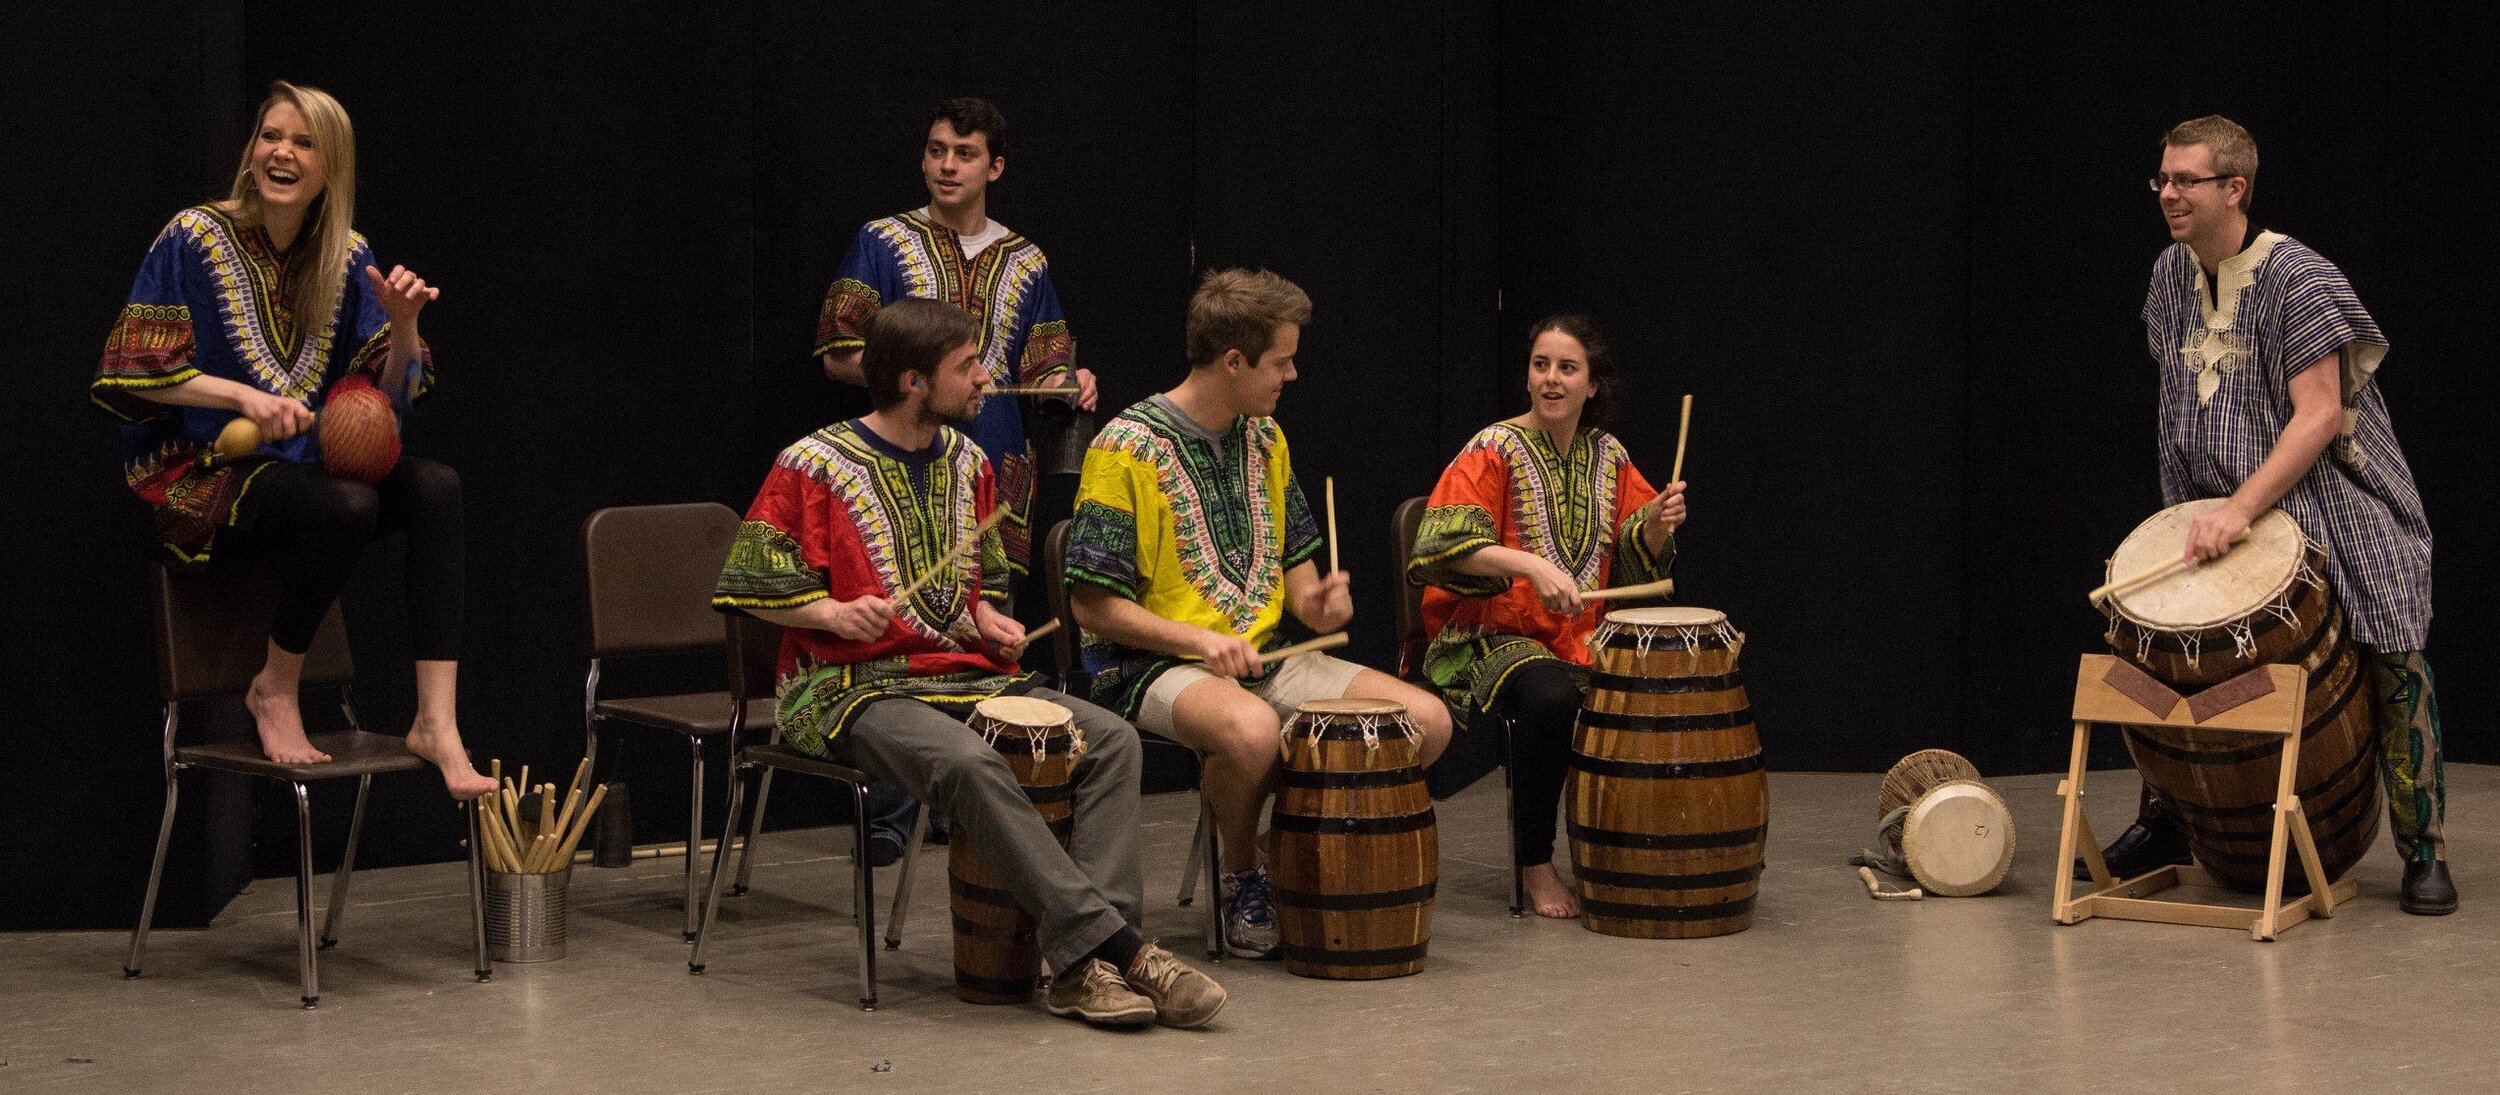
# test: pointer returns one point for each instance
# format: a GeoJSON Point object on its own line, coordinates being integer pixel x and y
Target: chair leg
{"type": "Point", "coordinates": [694, 829]}
{"type": "Point", "coordinates": [755, 830]}
{"type": "Point", "coordinates": [720, 863]}
{"type": "Point", "coordinates": [865, 887]}
{"type": "Point", "coordinates": [1197, 848]}
{"type": "Point", "coordinates": [156, 875]}
{"type": "Point", "coordinates": [1215, 881]}
{"type": "Point", "coordinates": [347, 867]}
{"type": "Point", "coordinates": [1510, 797]}
{"type": "Point", "coordinates": [307, 961]}
{"type": "Point", "coordinates": [902, 884]}
{"type": "Point", "coordinates": [477, 889]}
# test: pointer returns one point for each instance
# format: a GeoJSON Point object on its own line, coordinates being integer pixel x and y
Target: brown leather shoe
{"type": "Point", "coordinates": [1183, 997]}
{"type": "Point", "coordinates": [1095, 992]}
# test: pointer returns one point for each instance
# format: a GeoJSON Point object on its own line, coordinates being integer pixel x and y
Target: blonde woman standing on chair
{"type": "Point", "coordinates": [257, 307]}
{"type": "Point", "coordinates": [1536, 508]}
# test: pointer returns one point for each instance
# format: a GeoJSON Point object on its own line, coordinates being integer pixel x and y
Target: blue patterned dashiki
{"type": "Point", "coordinates": [2228, 354]}
{"type": "Point", "coordinates": [1024, 337]}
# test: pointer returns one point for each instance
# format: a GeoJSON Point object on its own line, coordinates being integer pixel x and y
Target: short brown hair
{"type": "Point", "coordinates": [2234, 151]}
{"type": "Point", "coordinates": [970, 114]}
{"type": "Point", "coordinates": [1237, 309]}
{"type": "Point", "coordinates": [911, 335]}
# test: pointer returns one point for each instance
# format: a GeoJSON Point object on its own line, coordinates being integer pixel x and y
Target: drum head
{"type": "Point", "coordinates": [1959, 839]}
{"type": "Point", "coordinates": [1024, 711]}
{"type": "Point", "coordinates": [1667, 616]}
{"type": "Point", "coordinates": [1353, 706]}
{"type": "Point", "coordinates": [2226, 589]}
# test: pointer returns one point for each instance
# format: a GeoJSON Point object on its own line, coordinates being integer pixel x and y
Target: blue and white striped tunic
{"type": "Point", "coordinates": [2227, 361]}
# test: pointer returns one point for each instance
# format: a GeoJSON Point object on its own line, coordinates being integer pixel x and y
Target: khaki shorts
{"type": "Point", "coordinates": [1301, 679]}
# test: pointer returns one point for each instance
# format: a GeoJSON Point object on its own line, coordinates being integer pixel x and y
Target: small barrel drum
{"type": "Point", "coordinates": [1357, 853]}
{"type": "Point", "coordinates": [1668, 803]}
{"type": "Point", "coordinates": [2265, 602]}
{"type": "Point", "coordinates": [997, 959]}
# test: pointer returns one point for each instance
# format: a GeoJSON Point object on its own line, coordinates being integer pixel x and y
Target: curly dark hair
{"type": "Point", "coordinates": [1600, 409]}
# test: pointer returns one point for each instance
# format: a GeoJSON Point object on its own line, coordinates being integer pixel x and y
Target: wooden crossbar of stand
{"type": "Point", "coordinates": [2276, 714]}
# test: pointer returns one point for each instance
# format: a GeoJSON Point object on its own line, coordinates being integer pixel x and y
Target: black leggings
{"type": "Point", "coordinates": [312, 525]}
{"type": "Point", "coordinates": [1541, 701]}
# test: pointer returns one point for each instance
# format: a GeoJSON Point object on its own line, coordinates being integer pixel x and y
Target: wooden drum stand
{"type": "Point", "coordinates": [2277, 714]}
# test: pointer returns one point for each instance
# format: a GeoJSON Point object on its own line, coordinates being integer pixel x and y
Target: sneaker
{"type": "Point", "coordinates": [1097, 993]}
{"type": "Point", "coordinates": [1182, 997]}
{"type": "Point", "coordinates": [1249, 915]}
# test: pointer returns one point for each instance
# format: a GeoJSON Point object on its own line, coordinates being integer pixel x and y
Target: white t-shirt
{"type": "Point", "coordinates": [976, 242]}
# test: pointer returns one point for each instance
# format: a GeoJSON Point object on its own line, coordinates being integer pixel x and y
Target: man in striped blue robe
{"type": "Point", "coordinates": [2269, 399]}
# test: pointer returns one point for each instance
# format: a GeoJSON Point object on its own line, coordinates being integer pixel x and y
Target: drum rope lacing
{"type": "Point", "coordinates": [2243, 631]}
{"type": "Point", "coordinates": [1646, 635]}
{"type": "Point", "coordinates": [1039, 742]}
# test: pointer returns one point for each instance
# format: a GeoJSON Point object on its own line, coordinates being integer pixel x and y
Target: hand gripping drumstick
{"type": "Point", "coordinates": [968, 543]}
{"type": "Point", "coordinates": [1659, 588]}
{"type": "Point", "coordinates": [2153, 574]}
{"type": "Point", "coordinates": [1330, 641]}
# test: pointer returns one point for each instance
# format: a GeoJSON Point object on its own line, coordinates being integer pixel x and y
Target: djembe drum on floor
{"type": "Point", "coordinates": [1942, 826]}
{"type": "Point", "coordinates": [2266, 601]}
{"type": "Point", "coordinates": [1669, 806]}
{"type": "Point", "coordinates": [997, 959]}
{"type": "Point", "coordinates": [1357, 853]}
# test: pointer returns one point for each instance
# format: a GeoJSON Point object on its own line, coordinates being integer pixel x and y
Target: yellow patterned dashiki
{"type": "Point", "coordinates": [1197, 526]}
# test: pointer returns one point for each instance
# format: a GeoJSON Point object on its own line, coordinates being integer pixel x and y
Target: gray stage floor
{"type": "Point", "coordinates": [1828, 991]}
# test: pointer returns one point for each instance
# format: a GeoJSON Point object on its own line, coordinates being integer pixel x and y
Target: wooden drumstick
{"type": "Point", "coordinates": [1911, 894]}
{"type": "Point", "coordinates": [1036, 635]}
{"type": "Point", "coordinates": [2152, 574]}
{"type": "Point", "coordinates": [1330, 641]}
{"type": "Point", "coordinates": [1683, 429]}
{"type": "Point", "coordinates": [1660, 588]}
{"type": "Point", "coordinates": [957, 552]}
{"type": "Point", "coordinates": [1329, 488]}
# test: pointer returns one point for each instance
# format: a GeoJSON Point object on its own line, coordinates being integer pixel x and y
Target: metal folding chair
{"type": "Point", "coordinates": [211, 638]}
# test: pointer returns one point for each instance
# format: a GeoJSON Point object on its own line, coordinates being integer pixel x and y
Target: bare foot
{"type": "Point", "coordinates": [441, 745]}
{"type": "Point", "coordinates": [281, 725]}
{"type": "Point", "coordinates": [1547, 892]}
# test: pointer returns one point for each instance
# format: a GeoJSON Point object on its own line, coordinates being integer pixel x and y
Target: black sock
{"type": "Point", "coordinates": [1120, 950]}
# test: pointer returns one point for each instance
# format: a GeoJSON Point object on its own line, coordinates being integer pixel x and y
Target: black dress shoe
{"type": "Point", "coordinates": [883, 850]}
{"type": "Point", "coordinates": [2427, 891]}
{"type": "Point", "coordinates": [2151, 842]}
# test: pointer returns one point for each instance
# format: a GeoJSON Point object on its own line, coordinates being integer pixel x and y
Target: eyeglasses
{"type": "Point", "coordinates": [2157, 182]}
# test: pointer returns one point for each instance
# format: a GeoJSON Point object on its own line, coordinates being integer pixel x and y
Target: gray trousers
{"type": "Point", "coordinates": [1080, 896]}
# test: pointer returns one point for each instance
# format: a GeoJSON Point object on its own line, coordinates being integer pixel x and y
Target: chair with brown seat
{"type": "Point", "coordinates": [1066, 647]}
{"type": "Point", "coordinates": [1404, 526]}
{"type": "Point", "coordinates": [211, 638]}
{"type": "Point", "coordinates": [649, 572]}
{"type": "Point", "coordinates": [755, 648]}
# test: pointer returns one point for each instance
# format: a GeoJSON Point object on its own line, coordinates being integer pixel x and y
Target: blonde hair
{"type": "Point", "coordinates": [1240, 310]}
{"type": "Point", "coordinates": [2234, 151]}
{"type": "Point", "coordinates": [330, 229]}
